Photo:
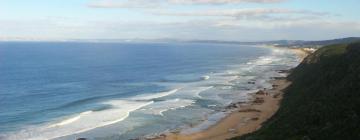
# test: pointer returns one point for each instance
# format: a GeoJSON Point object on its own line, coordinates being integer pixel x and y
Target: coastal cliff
{"type": "Point", "coordinates": [323, 101]}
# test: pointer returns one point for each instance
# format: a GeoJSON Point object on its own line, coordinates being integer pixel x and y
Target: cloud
{"type": "Point", "coordinates": [161, 19]}
{"type": "Point", "coordinates": [222, 1]}
{"type": "Point", "coordinates": [261, 16]}
{"type": "Point", "coordinates": [159, 3]}
{"type": "Point", "coordinates": [123, 4]}
{"type": "Point", "coordinates": [213, 29]}
{"type": "Point", "coordinates": [243, 13]}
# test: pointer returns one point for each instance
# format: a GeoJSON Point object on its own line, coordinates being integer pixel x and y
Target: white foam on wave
{"type": "Point", "coordinates": [201, 89]}
{"type": "Point", "coordinates": [159, 107]}
{"type": "Point", "coordinates": [206, 77]}
{"type": "Point", "coordinates": [154, 95]}
{"type": "Point", "coordinates": [226, 87]}
{"type": "Point", "coordinates": [263, 60]}
{"type": "Point", "coordinates": [70, 120]}
{"type": "Point", "coordinates": [192, 92]}
{"type": "Point", "coordinates": [83, 122]}
{"type": "Point", "coordinates": [219, 78]}
{"type": "Point", "coordinates": [275, 55]}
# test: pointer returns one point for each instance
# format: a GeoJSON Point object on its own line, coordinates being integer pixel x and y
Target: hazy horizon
{"type": "Point", "coordinates": [139, 40]}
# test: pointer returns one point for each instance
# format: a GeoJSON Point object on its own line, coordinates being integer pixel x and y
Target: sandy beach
{"type": "Point", "coordinates": [243, 118]}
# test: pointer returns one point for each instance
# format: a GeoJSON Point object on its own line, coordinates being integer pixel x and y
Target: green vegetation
{"type": "Point", "coordinates": [323, 103]}
{"type": "Point", "coordinates": [315, 44]}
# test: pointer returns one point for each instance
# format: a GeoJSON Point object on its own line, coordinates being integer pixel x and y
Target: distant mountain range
{"type": "Point", "coordinates": [288, 43]}
{"type": "Point", "coordinates": [300, 43]}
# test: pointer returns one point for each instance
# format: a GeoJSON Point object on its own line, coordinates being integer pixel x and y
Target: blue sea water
{"type": "Point", "coordinates": [69, 90]}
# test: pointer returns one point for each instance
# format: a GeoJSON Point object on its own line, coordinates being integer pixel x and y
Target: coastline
{"type": "Point", "coordinates": [243, 118]}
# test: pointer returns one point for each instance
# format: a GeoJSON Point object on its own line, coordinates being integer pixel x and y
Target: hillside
{"type": "Point", "coordinates": [323, 102]}
{"type": "Point", "coordinates": [278, 43]}
{"type": "Point", "coordinates": [300, 43]}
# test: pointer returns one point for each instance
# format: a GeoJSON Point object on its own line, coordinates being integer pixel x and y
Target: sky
{"type": "Point", "coordinates": [235, 20]}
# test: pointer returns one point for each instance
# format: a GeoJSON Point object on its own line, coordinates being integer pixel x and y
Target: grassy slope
{"type": "Point", "coordinates": [323, 103]}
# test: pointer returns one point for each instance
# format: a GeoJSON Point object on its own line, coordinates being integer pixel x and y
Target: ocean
{"type": "Point", "coordinates": [116, 91]}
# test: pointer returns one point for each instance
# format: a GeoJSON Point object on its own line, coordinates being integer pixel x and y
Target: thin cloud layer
{"type": "Point", "coordinates": [243, 13]}
{"type": "Point", "coordinates": [222, 1]}
{"type": "Point", "coordinates": [123, 4]}
{"type": "Point", "coordinates": [157, 3]}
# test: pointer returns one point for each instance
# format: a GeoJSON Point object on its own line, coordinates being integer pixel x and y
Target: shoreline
{"type": "Point", "coordinates": [243, 118]}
